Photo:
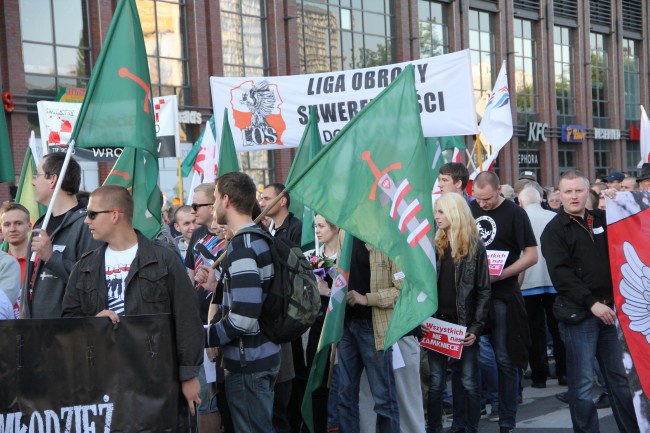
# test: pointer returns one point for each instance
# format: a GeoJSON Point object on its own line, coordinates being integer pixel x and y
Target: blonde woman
{"type": "Point", "coordinates": [463, 299]}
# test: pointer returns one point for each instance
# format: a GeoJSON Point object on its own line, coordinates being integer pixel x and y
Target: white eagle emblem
{"type": "Point", "coordinates": [635, 288]}
{"type": "Point", "coordinates": [260, 100]}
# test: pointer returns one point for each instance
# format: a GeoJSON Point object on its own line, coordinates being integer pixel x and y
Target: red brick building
{"type": "Point", "coordinates": [581, 65]}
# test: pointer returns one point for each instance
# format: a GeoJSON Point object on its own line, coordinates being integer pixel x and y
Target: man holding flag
{"type": "Point", "coordinates": [59, 247]}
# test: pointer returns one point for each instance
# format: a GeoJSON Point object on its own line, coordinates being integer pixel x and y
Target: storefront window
{"type": "Point", "coordinates": [599, 72]}
{"type": "Point", "coordinates": [602, 158]}
{"type": "Point", "coordinates": [529, 158]}
{"type": "Point", "coordinates": [567, 157]}
{"type": "Point", "coordinates": [433, 28]}
{"type": "Point", "coordinates": [525, 63]}
{"type": "Point", "coordinates": [632, 95]}
{"type": "Point", "coordinates": [481, 45]}
{"type": "Point", "coordinates": [563, 62]}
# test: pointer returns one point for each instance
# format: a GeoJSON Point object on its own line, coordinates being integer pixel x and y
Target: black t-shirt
{"type": "Point", "coordinates": [447, 288]}
{"type": "Point", "coordinates": [359, 278]}
{"type": "Point", "coordinates": [506, 228]}
{"type": "Point", "coordinates": [55, 221]}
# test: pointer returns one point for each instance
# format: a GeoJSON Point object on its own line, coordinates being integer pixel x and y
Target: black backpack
{"type": "Point", "coordinates": [293, 301]}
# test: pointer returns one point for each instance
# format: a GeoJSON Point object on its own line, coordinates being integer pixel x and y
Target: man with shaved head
{"type": "Point", "coordinates": [505, 228]}
{"type": "Point", "coordinates": [131, 275]}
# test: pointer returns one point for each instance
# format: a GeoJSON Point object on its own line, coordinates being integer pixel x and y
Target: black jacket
{"type": "Point", "coordinates": [577, 260]}
{"type": "Point", "coordinates": [291, 229]}
{"type": "Point", "coordinates": [156, 284]}
{"type": "Point", "coordinates": [473, 291]}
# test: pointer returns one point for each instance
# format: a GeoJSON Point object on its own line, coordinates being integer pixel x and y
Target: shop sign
{"type": "Point", "coordinates": [529, 159]}
{"type": "Point", "coordinates": [607, 134]}
{"type": "Point", "coordinates": [574, 133]}
{"type": "Point", "coordinates": [193, 117]}
{"type": "Point", "coordinates": [537, 131]}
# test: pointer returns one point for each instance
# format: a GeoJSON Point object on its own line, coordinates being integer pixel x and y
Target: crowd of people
{"type": "Point", "coordinates": [91, 261]}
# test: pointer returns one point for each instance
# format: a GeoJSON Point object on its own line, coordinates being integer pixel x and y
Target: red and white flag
{"type": "Point", "coordinates": [628, 234]}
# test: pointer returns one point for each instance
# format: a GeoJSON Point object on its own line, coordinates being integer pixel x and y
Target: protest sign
{"type": "Point", "coordinates": [496, 261]}
{"type": "Point", "coordinates": [84, 372]}
{"type": "Point", "coordinates": [57, 120]}
{"type": "Point", "coordinates": [444, 337]}
{"type": "Point", "coordinates": [272, 112]}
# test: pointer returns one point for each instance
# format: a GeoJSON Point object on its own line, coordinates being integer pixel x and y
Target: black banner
{"type": "Point", "coordinates": [86, 375]}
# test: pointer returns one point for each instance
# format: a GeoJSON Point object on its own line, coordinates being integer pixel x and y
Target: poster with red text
{"type": "Point", "coordinates": [444, 337]}
{"type": "Point", "coordinates": [628, 231]}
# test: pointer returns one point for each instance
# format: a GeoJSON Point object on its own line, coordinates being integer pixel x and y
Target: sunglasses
{"type": "Point", "coordinates": [92, 214]}
{"type": "Point", "coordinates": [196, 206]}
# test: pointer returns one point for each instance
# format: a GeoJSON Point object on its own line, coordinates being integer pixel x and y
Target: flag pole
{"type": "Point", "coordinates": [479, 151]}
{"type": "Point", "coordinates": [57, 188]}
{"type": "Point", "coordinates": [180, 179]}
{"type": "Point", "coordinates": [259, 218]}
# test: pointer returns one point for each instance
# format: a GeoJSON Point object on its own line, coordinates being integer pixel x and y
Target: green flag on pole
{"type": "Point", "coordinates": [188, 163]}
{"type": "Point", "coordinates": [228, 162]}
{"type": "Point", "coordinates": [332, 330]}
{"type": "Point", "coordinates": [7, 173]}
{"type": "Point", "coordinates": [436, 146]}
{"type": "Point", "coordinates": [117, 110]}
{"type": "Point", "coordinates": [373, 181]}
{"type": "Point", "coordinates": [137, 171]}
{"type": "Point", "coordinates": [310, 145]}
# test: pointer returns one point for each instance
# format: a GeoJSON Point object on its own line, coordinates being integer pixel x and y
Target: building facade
{"type": "Point", "coordinates": [578, 70]}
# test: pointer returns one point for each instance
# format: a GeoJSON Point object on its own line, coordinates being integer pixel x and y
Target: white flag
{"type": "Point", "coordinates": [645, 138]}
{"type": "Point", "coordinates": [496, 125]}
{"type": "Point", "coordinates": [207, 158]}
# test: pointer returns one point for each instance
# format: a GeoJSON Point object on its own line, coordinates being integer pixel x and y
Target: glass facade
{"type": "Point", "coordinates": [525, 70]}
{"type": "Point", "coordinates": [433, 28]}
{"type": "Point", "coordinates": [599, 77]}
{"type": "Point", "coordinates": [344, 34]}
{"type": "Point", "coordinates": [632, 95]}
{"type": "Point", "coordinates": [244, 38]}
{"type": "Point", "coordinates": [245, 54]}
{"type": "Point", "coordinates": [483, 52]}
{"type": "Point", "coordinates": [563, 62]}
{"type": "Point", "coordinates": [602, 158]}
{"type": "Point", "coordinates": [567, 156]}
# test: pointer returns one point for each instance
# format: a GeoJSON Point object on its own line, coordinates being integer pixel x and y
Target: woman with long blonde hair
{"type": "Point", "coordinates": [463, 299]}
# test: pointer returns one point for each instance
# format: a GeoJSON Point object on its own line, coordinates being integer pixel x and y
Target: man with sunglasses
{"type": "Point", "coordinates": [131, 275]}
{"type": "Point", "coordinates": [59, 247]}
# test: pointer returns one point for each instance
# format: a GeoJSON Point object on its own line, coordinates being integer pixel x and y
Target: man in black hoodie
{"type": "Point", "coordinates": [58, 247]}
{"type": "Point", "coordinates": [574, 244]}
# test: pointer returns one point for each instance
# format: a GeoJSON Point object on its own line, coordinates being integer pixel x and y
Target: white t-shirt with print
{"type": "Point", "coordinates": [117, 265]}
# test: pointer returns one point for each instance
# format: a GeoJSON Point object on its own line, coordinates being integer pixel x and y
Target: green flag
{"type": "Point", "coordinates": [117, 109]}
{"type": "Point", "coordinates": [373, 181]}
{"type": "Point", "coordinates": [137, 171]}
{"type": "Point", "coordinates": [26, 194]}
{"type": "Point", "coordinates": [228, 162]}
{"type": "Point", "coordinates": [436, 147]}
{"type": "Point", "coordinates": [332, 330]}
{"type": "Point", "coordinates": [309, 147]}
{"type": "Point", "coordinates": [7, 173]}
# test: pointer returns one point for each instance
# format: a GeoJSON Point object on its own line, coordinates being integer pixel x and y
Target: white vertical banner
{"type": "Point", "coordinates": [165, 110]}
{"type": "Point", "coordinates": [645, 138]}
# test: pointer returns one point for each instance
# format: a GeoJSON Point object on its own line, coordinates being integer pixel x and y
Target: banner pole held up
{"type": "Point", "coordinates": [57, 188]}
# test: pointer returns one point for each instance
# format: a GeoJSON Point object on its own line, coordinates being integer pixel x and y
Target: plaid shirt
{"type": "Point", "coordinates": [384, 290]}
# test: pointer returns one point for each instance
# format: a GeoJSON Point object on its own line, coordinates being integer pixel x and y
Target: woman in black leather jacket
{"type": "Point", "coordinates": [463, 299]}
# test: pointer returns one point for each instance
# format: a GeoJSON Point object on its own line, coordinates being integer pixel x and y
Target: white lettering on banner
{"type": "Point", "coordinates": [272, 112]}
{"type": "Point", "coordinates": [193, 117]}
{"type": "Point", "coordinates": [607, 134]}
{"type": "Point", "coordinates": [84, 418]}
{"type": "Point", "coordinates": [107, 152]}
{"type": "Point", "coordinates": [536, 131]}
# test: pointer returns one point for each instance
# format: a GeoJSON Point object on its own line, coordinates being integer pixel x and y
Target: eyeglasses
{"type": "Point", "coordinates": [36, 175]}
{"type": "Point", "coordinates": [196, 206]}
{"type": "Point", "coordinates": [92, 214]}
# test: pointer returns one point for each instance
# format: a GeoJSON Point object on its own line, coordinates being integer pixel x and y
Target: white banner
{"type": "Point", "coordinates": [272, 112]}
{"type": "Point", "coordinates": [57, 120]}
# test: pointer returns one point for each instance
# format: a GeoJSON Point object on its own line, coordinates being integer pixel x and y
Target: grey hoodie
{"type": "Point", "coordinates": [9, 277]}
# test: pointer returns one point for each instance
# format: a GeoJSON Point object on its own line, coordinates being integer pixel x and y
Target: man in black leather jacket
{"type": "Point", "coordinates": [147, 278]}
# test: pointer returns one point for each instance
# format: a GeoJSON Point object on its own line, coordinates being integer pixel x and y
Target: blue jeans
{"type": "Point", "coordinates": [356, 352]}
{"type": "Point", "coordinates": [250, 398]}
{"type": "Point", "coordinates": [508, 374]}
{"type": "Point", "coordinates": [488, 374]}
{"type": "Point", "coordinates": [333, 399]}
{"type": "Point", "coordinates": [467, 370]}
{"type": "Point", "coordinates": [584, 341]}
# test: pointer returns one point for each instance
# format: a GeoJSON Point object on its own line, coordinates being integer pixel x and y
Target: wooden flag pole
{"type": "Point", "coordinates": [257, 220]}
{"type": "Point", "coordinates": [479, 151]}
{"type": "Point", "coordinates": [180, 179]}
